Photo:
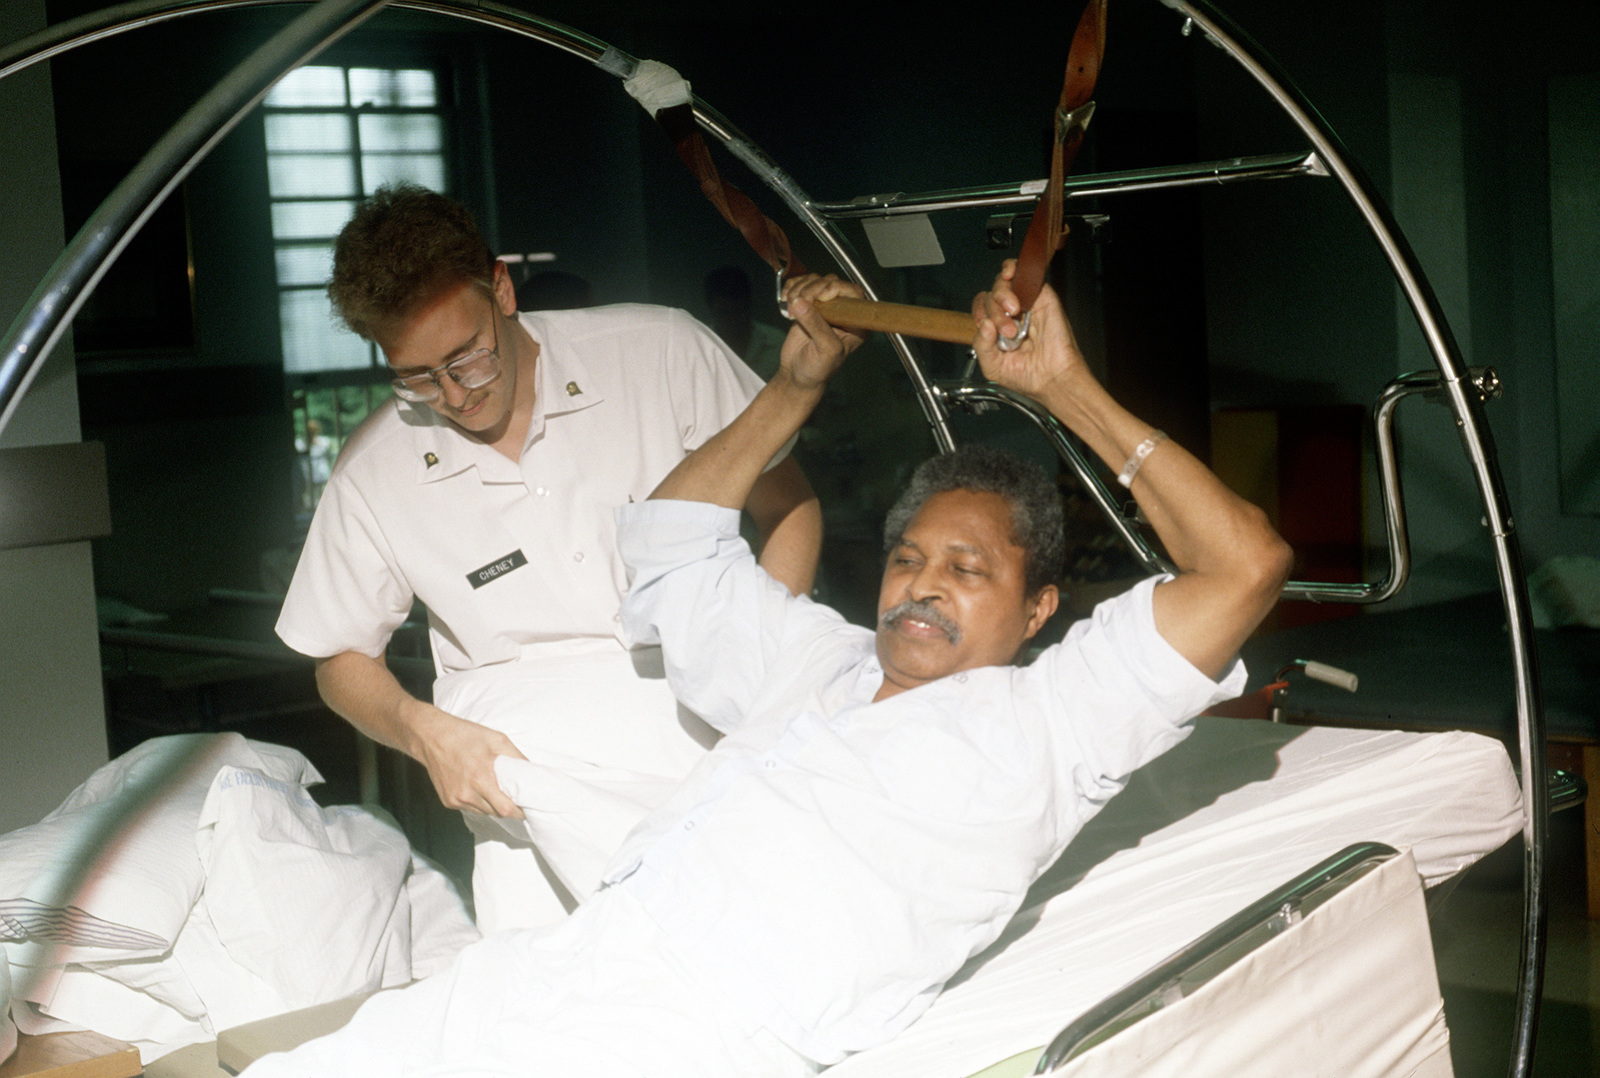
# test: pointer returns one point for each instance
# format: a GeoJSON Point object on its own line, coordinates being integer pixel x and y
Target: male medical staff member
{"type": "Point", "coordinates": [486, 490]}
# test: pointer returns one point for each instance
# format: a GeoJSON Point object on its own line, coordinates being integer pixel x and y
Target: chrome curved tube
{"type": "Point", "coordinates": [120, 18]}
{"type": "Point", "coordinates": [1479, 447]}
{"type": "Point", "coordinates": [90, 253]}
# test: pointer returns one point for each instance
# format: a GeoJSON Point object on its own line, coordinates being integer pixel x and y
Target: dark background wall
{"type": "Point", "coordinates": [52, 725]}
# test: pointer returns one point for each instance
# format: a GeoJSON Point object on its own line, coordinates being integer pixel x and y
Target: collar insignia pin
{"type": "Point", "coordinates": [430, 459]}
{"type": "Point", "coordinates": [573, 390]}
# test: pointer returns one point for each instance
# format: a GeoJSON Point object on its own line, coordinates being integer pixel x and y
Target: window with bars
{"type": "Point", "coordinates": [334, 135]}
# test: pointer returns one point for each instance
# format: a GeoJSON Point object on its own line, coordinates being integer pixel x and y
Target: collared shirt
{"type": "Point", "coordinates": [834, 860]}
{"type": "Point", "coordinates": [510, 555]}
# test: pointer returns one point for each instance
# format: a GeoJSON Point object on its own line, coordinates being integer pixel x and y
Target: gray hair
{"type": "Point", "coordinates": [1037, 519]}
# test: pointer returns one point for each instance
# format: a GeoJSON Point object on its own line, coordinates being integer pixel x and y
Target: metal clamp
{"type": "Point", "coordinates": [782, 270]}
{"type": "Point", "coordinates": [1075, 121]}
{"type": "Point", "coordinates": [1011, 344]}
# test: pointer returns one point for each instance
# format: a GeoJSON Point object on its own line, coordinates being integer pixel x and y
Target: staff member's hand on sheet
{"type": "Point", "coordinates": [1231, 564]}
{"type": "Point", "coordinates": [458, 754]}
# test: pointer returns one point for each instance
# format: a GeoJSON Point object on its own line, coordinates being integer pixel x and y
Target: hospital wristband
{"type": "Point", "coordinates": [1136, 461]}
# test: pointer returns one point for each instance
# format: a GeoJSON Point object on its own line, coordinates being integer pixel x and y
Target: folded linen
{"type": "Point", "coordinates": [287, 904]}
{"type": "Point", "coordinates": [113, 872]}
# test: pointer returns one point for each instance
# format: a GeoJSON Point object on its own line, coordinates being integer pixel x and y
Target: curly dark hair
{"type": "Point", "coordinates": [1037, 521]}
{"type": "Point", "coordinates": [400, 248]}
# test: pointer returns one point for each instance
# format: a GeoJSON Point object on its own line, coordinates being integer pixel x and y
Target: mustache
{"type": "Point", "coordinates": [923, 612]}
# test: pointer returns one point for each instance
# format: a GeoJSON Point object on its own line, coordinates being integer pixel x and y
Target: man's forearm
{"type": "Point", "coordinates": [1232, 563]}
{"type": "Point", "coordinates": [726, 468]}
{"type": "Point", "coordinates": [362, 691]}
{"type": "Point", "coordinates": [1195, 515]}
{"type": "Point", "coordinates": [458, 754]}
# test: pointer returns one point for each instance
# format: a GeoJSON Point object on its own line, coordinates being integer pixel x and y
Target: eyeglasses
{"type": "Point", "coordinates": [472, 371]}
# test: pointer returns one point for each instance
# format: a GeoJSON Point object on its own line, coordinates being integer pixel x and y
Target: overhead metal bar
{"type": "Point", "coordinates": [1200, 174]}
{"type": "Point", "coordinates": [1478, 443]}
{"type": "Point", "coordinates": [86, 258]}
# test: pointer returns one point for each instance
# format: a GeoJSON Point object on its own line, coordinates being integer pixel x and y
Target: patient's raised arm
{"type": "Point", "coordinates": [1231, 563]}
{"type": "Point", "coordinates": [725, 468]}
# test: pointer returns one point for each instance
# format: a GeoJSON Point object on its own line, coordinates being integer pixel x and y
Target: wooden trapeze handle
{"type": "Point", "coordinates": [926, 323]}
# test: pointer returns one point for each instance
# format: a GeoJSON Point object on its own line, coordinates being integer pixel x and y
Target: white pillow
{"type": "Point", "coordinates": [113, 872]}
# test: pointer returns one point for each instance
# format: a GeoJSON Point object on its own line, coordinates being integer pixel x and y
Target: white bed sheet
{"type": "Point", "coordinates": [1236, 810]}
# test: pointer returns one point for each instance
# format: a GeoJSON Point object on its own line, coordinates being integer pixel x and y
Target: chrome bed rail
{"type": "Point", "coordinates": [87, 256]}
{"type": "Point", "coordinates": [1194, 965]}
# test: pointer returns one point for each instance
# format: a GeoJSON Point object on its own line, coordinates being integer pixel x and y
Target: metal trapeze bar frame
{"type": "Point", "coordinates": [1467, 405]}
{"type": "Point", "coordinates": [1208, 174]}
{"type": "Point", "coordinates": [92, 250]}
{"type": "Point", "coordinates": [85, 259]}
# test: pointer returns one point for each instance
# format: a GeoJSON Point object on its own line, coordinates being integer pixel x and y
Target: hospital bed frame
{"type": "Point", "coordinates": [90, 253]}
{"type": "Point", "coordinates": [1187, 971]}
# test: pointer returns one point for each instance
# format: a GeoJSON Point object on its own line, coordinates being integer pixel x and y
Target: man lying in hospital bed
{"type": "Point", "coordinates": [880, 803]}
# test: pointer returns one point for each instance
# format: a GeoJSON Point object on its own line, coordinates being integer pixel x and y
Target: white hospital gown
{"type": "Point", "coordinates": [833, 861]}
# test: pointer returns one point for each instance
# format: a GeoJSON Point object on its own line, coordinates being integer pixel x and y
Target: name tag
{"type": "Point", "coordinates": [496, 569]}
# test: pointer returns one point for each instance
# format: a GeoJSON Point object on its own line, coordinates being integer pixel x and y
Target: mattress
{"type": "Point", "coordinates": [1216, 823]}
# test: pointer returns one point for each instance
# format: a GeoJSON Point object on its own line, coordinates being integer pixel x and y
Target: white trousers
{"type": "Point", "coordinates": [600, 995]}
{"type": "Point", "coordinates": [590, 712]}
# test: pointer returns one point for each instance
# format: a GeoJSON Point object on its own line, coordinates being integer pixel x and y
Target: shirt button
{"type": "Point", "coordinates": [578, 556]}
{"type": "Point", "coordinates": [541, 491]}
{"type": "Point", "coordinates": [688, 825]}
{"type": "Point", "coordinates": [769, 764]}
{"type": "Point", "coordinates": [617, 618]}
{"type": "Point", "coordinates": [961, 678]}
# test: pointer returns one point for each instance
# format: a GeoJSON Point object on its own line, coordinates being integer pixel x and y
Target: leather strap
{"type": "Point", "coordinates": [760, 231]}
{"type": "Point", "coordinates": [1047, 231]}
{"type": "Point", "coordinates": [1045, 234]}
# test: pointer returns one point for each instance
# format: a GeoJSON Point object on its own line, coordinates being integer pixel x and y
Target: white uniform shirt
{"type": "Point", "coordinates": [511, 555]}
{"type": "Point", "coordinates": [834, 861]}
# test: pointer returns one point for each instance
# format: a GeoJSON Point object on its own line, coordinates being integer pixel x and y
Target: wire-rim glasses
{"type": "Point", "coordinates": [474, 370]}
